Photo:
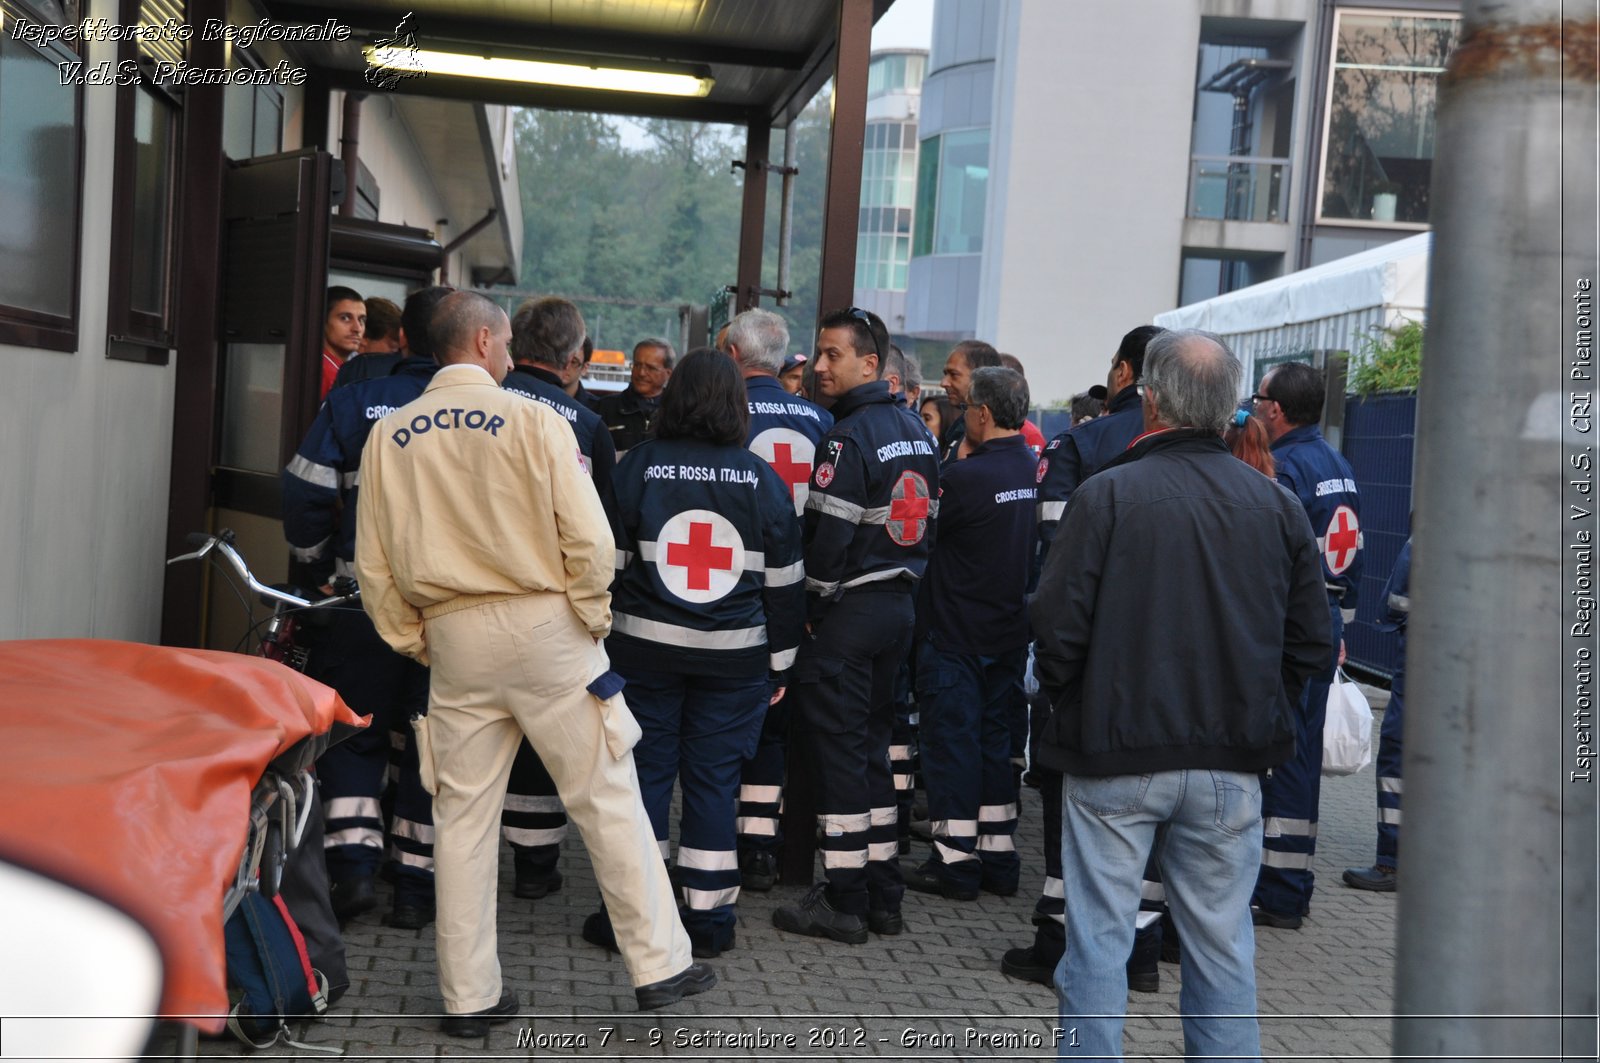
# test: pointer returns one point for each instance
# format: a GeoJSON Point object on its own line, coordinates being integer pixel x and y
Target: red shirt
{"type": "Point", "coordinates": [331, 361]}
{"type": "Point", "coordinates": [1033, 437]}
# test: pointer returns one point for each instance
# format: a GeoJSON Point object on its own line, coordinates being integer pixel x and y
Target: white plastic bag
{"type": "Point", "coordinates": [1347, 731]}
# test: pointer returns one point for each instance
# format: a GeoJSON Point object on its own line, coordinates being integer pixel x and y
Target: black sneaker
{"type": "Point", "coordinates": [475, 1024]}
{"type": "Point", "coordinates": [410, 916]}
{"type": "Point", "coordinates": [1377, 878]}
{"type": "Point", "coordinates": [758, 870]}
{"type": "Point", "coordinates": [531, 885]}
{"type": "Point", "coordinates": [352, 896]}
{"type": "Point", "coordinates": [925, 878]}
{"type": "Point", "coordinates": [886, 923]}
{"type": "Point", "coordinates": [597, 931]}
{"type": "Point", "coordinates": [695, 978]}
{"type": "Point", "coordinates": [1031, 964]}
{"type": "Point", "coordinates": [815, 917]}
{"type": "Point", "coordinates": [1262, 917]}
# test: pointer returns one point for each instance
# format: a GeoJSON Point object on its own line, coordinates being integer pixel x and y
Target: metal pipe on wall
{"type": "Point", "coordinates": [350, 151]}
{"type": "Point", "coordinates": [786, 214]}
{"type": "Point", "coordinates": [1497, 903]}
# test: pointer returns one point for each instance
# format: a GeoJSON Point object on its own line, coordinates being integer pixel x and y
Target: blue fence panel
{"type": "Point", "coordinates": [1379, 441]}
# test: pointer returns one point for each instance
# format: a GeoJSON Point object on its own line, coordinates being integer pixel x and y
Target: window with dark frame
{"type": "Point", "coordinates": [143, 251]}
{"type": "Point", "coordinates": [41, 182]}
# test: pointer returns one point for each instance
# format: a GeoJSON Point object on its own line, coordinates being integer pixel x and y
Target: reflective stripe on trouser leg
{"type": "Point", "coordinates": [844, 680]}
{"type": "Point", "coordinates": [411, 829]}
{"type": "Point", "coordinates": [759, 823]}
{"type": "Point", "coordinates": [697, 730]}
{"type": "Point", "coordinates": [1289, 802]}
{"type": "Point", "coordinates": [491, 680]}
{"type": "Point", "coordinates": [1390, 744]}
{"type": "Point", "coordinates": [533, 820]}
{"type": "Point", "coordinates": [1050, 907]}
{"type": "Point", "coordinates": [373, 680]}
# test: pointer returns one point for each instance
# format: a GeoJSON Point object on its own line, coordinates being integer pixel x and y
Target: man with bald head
{"type": "Point", "coordinates": [1174, 688]}
{"type": "Point", "coordinates": [481, 546]}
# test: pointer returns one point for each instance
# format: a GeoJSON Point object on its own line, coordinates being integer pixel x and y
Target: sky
{"type": "Point", "coordinates": [908, 24]}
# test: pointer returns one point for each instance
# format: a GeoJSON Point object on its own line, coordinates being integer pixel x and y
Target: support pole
{"type": "Point", "coordinates": [846, 139]}
{"type": "Point", "coordinates": [1497, 910]}
{"type": "Point", "coordinates": [752, 223]}
{"type": "Point", "coordinates": [786, 215]}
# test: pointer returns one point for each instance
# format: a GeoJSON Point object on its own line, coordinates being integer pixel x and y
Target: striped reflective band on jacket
{"type": "Point", "coordinates": [838, 507]}
{"type": "Point", "coordinates": [310, 553]}
{"type": "Point", "coordinates": [740, 638]}
{"type": "Point", "coordinates": [1278, 827]}
{"type": "Point", "coordinates": [312, 473]}
{"type": "Point", "coordinates": [754, 561]}
{"type": "Point", "coordinates": [883, 575]}
{"type": "Point", "coordinates": [1049, 511]}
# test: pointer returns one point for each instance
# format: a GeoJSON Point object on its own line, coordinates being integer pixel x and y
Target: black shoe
{"type": "Point", "coordinates": [410, 916]}
{"type": "Point", "coordinates": [695, 978]}
{"type": "Point", "coordinates": [706, 946]}
{"type": "Point", "coordinates": [597, 931]}
{"type": "Point", "coordinates": [1030, 964]}
{"type": "Point", "coordinates": [925, 878]}
{"type": "Point", "coordinates": [1378, 879]}
{"type": "Point", "coordinates": [532, 885]}
{"type": "Point", "coordinates": [999, 889]}
{"type": "Point", "coordinates": [1262, 917]}
{"type": "Point", "coordinates": [886, 923]}
{"type": "Point", "coordinates": [815, 917]}
{"type": "Point", "coordinates": [1148, 981]}
{"type": "Point", "coordinates": [476, 1024]}
{"type": "Point", "coordinates": [352, 896]}
{"type": "Point", "coordinates": [758, 870]}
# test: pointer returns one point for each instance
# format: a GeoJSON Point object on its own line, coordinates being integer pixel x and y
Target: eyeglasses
{"type": "Point", "coordinates": [965, 406]}
{"type": "Point", "coordinates": [1262, 398]}
{"type": "Point", "coordinates": [866, 318]}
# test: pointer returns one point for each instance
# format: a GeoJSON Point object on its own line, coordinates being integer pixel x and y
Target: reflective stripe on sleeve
{"type": "Point", "coordinates": [305, 469]}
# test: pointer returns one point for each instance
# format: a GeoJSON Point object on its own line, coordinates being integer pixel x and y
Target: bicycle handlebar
{"type": "Point", "coordinates": [222, 544]}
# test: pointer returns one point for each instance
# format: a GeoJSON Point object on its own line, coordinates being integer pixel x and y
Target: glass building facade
{"type": "Point", "coordinates": [889, 171]}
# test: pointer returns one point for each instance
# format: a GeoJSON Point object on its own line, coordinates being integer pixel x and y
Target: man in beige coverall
{"type": "Point", "coordinates": [482, 550]}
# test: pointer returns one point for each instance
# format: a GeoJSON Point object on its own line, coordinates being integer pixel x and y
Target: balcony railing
{"type": "Point", "coordinates": [1239, 188]}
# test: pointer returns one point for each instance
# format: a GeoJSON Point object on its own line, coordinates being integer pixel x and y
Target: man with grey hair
{"type": "Point", "coordinates": [972, 634]}
{"type": "Point", "coordinates": [785, 430]}
{"type": "Point", "coordinates": [630, 415]}
{"type": "Point", "coordinates": [547, 336]}
{"type": "Point", "coordinates": [1173, 688]}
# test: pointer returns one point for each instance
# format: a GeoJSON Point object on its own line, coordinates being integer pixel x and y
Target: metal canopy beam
{"type": "Point", "coordinates": [752, 224]}
{"type": "Point", "coordinates": [554, 98]}
{"type": "Point", "coordinates": [847, 138]}
{"type": "Point", "coordinates": [675, 48]}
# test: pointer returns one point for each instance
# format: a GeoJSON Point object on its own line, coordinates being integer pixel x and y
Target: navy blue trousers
{"type": "Point", "coordinates": [373, 680]}
{"type": "Point", "coordinates": [698, 730]}
{"type": "Point", "coordinates": [843, 686]}
{"type": "Point", "coordinates": [761, 784]}
{"type": "Point", "coordinates": [1390, 744]}
{"type": "Point", "coordinates": [1289, 801]}
{"type": "Point", "coordinates": [533, 819]}
{"type": "Point", "coordinates": [967, 703]}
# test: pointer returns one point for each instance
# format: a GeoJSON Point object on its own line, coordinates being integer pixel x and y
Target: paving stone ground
{"type": "Point", "coordinates": [935, 992]}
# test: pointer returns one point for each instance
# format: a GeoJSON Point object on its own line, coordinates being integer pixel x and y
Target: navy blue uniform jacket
{"type": "Point", "coordinates": [973, 598]}
{"type": "Point", "coordinates": [319, 485]}
{"type": "Point", "coordinates": [784, 432]}
{"type": "Point", "coordinates": [594, 442]}
{"type": "Point", "coordinates": [1321, 478]}
{"type": "Point", "coordinates": [709, 577]}
{"type": "Point", "coordinates": [874, 496]}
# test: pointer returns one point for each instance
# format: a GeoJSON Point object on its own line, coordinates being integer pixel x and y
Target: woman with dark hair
{"type": "Point", "coordinates": [937, 412]}
{"type": "Point", "coordinates": [707, 611]}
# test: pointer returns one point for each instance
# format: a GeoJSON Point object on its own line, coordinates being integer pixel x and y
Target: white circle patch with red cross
{"type": "Point", "coordinates": [824, 475]}
{"type": "Point", "coordinates": [1044, 467]}
{"type": "Point", "coordinates": [1341, 541]}
{"type": "Point", "coordinates": [909, 508]}
{"type": "Point", "coordinates": [790, 455]}
{"type": "Point", "coordinates": [699, 556]}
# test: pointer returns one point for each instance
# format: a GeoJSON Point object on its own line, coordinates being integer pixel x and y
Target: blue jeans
{"type": "Point", "coordinates": [1205, 830]}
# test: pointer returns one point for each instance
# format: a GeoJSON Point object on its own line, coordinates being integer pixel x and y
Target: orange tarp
{"type": "Point", "coordinates": [127, 769]}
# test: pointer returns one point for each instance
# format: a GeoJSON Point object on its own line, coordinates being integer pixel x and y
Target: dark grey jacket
{"type": "Point", "coordinates": [1180, 613]}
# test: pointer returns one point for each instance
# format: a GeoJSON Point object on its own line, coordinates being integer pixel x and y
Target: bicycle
{"type": "Point", "coordinates": [286, 785]}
